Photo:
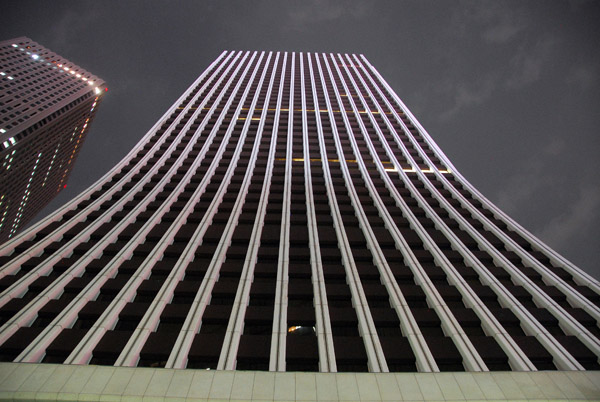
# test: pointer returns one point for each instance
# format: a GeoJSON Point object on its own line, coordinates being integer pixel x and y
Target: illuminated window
{"type": "Point", "coordinates": [301, 330]}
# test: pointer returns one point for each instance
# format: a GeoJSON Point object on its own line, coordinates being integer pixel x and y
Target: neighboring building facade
{"type": "Point", "coordinates": [289, 213]}
{"type": "Point", "coordinates": [46, 106]}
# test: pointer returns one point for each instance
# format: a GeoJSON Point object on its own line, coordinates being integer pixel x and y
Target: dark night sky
{"type": "Point", "coordinates": [510, 90]}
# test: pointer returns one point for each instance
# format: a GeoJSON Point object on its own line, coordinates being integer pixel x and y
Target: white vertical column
{"type": "Point", "coordinates": [327, 361]}
{"type": "Point", "coordinates": [235, 326]}
{"type": "Point", "coordinates": [366, 326]}
{"type": "Point", "coordinates": [489, 322]}
{"type": "Point", "coordinates": [579, 275]}
{"type": "Point", "coordinates": [82, 353]}
{"type": "Point", "coordinates": [471, 358]}
{"type": "Point", "coordinates": [568, 323]}
{"type": "Point", "coordinates": [562, 358]}
{"type": "Point", "coordinates": [150, 320]}
{"type": "Point", "coordinates": [179, 354]}
{"type": "Point", "coordinates": [425, 361]}
{"type": "Point", "coordinates": [36, 349]}
{"type": "Point", "coordinates": [573, 297]}
{"type": "Point", "coordinates": [278, 338]}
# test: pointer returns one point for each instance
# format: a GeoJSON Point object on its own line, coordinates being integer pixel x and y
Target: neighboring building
{"type": "Point", "coordinates": [46, 106]}
{"type": "Point", "coordinates": [289, 213]}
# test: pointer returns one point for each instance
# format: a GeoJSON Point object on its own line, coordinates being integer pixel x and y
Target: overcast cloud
{"type": "Point", "coordinates": [510, 90]}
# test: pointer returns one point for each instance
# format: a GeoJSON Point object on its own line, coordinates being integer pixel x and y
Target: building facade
{"type": "Point", "coordinates": [46, 107]}
{"type": "Point", "coordinates": [289, 214]}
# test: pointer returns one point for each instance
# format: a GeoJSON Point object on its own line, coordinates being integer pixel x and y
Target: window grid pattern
{"type": "Point", "coordinates": [46, 107]}
{"type": "Point", "coordinates": [288, 213]}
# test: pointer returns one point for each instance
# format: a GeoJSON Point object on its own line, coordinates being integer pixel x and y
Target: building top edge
{"type": "Point", "coordinates": [12, 40]}
{"type": "Point", "coordinates": [60, 59]}
{"type": "Point", "coordinates": [28, 51]}
{"type": "Point", "coordinates": [292, 52]}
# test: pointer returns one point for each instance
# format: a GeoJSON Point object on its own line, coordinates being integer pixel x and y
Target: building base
{"type": "Point", "coordinates": [41, 382]}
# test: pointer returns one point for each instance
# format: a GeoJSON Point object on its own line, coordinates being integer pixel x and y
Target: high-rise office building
{"type": "Point", "coordinates": [289, 214]}
{"type": "Point", "coordinates": [46, 106]}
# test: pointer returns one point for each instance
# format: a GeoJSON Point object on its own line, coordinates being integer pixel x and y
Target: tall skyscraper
{"type": "Point", "coordinates": [289, 213]}
{"type": "Point", "coordinates": [46, 106]}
